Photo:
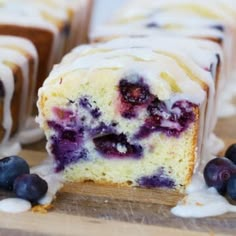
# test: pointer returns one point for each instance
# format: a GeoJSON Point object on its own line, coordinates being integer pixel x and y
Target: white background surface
{"type": "Point", "coordinates": [104, 9]}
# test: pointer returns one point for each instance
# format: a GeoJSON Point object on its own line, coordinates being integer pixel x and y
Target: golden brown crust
{"type": "Point", "coordinates": [17, 95]}
{"type": "Point", "coordinates": [193, 156]}
{"type": "Point", "coordinates": [16, 99]}
{"type": "Point", "coordinates": [2, 131]}
{"type": "Point", "coordinates": [86, 21]}
{"type": "Point", "coordinates": [31, 90]}
{"type": "Point", "coordinates": [43, 209]}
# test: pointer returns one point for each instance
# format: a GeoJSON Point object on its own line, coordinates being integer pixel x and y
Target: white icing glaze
{"type": "Point", "coordinates": [14, 205]}
{"type": "Point", "coordinates": [10, 51]}
{"type": "Point", "coordinates": [10, 55]}
{"type": "Point", "coordinates": [7, 79]}
{"type": "Point", "coordinates": [101, 59]}
{"type": "Point", "coordinates": [215, 144]}
{"type": "Point", "coordinates": [30, 14]}
{"type": "Point", "coordinates": [54, 180]}
{"type": "Point", "coordinates": [31, 132]}
{"type": "Point", "coordinates": [226, 106]}
{"type": "Point", "coordinates": [25, 45]}
{"type": "Point", "coordinates": [139, 28]}
{"type": "Point", "coordinates": [10, 148]}
{"type": "Point", "coordinates": [133, 18]}
{"type": "Point", "coordinates": [204, 203]}
{"type": "Point", "coordinates": [139, 8]}
{"type": "Point", "coordinates": [201, 201]}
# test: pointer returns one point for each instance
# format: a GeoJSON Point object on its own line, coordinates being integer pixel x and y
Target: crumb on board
{"type": "Point", "coordinates": [199, 204]}
{"type": "Point", "coordinates": [42, 208]}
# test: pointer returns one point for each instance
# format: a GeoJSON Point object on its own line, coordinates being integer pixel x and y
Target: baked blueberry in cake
{"type": "Point", "coordinates": [128, 115]}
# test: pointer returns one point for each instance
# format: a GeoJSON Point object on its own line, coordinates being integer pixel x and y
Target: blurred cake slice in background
{"type": "Point", "coordinates": [50, 25]}
{"type": "Point", "coordinates": [18, 62]}
{"type": "Point", "coordinates": [210, 20]}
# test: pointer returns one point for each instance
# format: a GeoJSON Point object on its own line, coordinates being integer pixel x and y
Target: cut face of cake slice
{"type": "Point", "coordinates": [18, 59]}
{"type": "Point", "coordinates": [86, 10]}
{"type": "Point", "coordinates": [7, 90]}
{"type": "Point", "coordinates": [127, 115]}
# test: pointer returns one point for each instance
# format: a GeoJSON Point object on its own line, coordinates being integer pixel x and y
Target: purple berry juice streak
{"type": "Point", "coordinates": [157, 180]}
{"type": "Point", "coordinates": [85, 103]}
{"type": "Point", "coordinates": [102, 129]}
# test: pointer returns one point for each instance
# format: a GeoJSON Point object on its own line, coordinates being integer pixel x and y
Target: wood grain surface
{"type": "Point", "coordinates": [89, 209]}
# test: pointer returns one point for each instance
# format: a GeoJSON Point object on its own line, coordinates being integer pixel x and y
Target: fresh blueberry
{"type": "Point", "coordinates": [231, 187]}
{"type": "Point", "coordinates": [30, 187]}
{"type": "Point", "coordinates": [116, 146]}
{"type": "Point", "coordinates": [231, 153]}
{"type": "Point", "coordinates": [218, 172]}
{"type": "Point", "coordinates": [135, 93]}
{"type": "Point", "coordinates": [10, 168]}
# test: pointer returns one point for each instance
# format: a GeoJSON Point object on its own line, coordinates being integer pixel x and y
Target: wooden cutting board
{"type": "Point", "coordinates": [89, 209]}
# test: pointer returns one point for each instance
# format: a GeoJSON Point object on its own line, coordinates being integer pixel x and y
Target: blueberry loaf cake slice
{"type": "Point", "coordinates": [18, 62]}
{"type": "Point", "coordinates": [127, 115]}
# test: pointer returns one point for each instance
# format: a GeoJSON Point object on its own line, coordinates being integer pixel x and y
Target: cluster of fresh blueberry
{"type": "Point", "coordinates": [220, 173]}
{"type": "Point", "coordinates": [15, 176]}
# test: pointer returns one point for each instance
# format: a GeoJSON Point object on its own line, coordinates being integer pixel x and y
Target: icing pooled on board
{"type": "Point", "coordinates": [14, 205]}
{"type": "Point", "coordinates": [54, 180]}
